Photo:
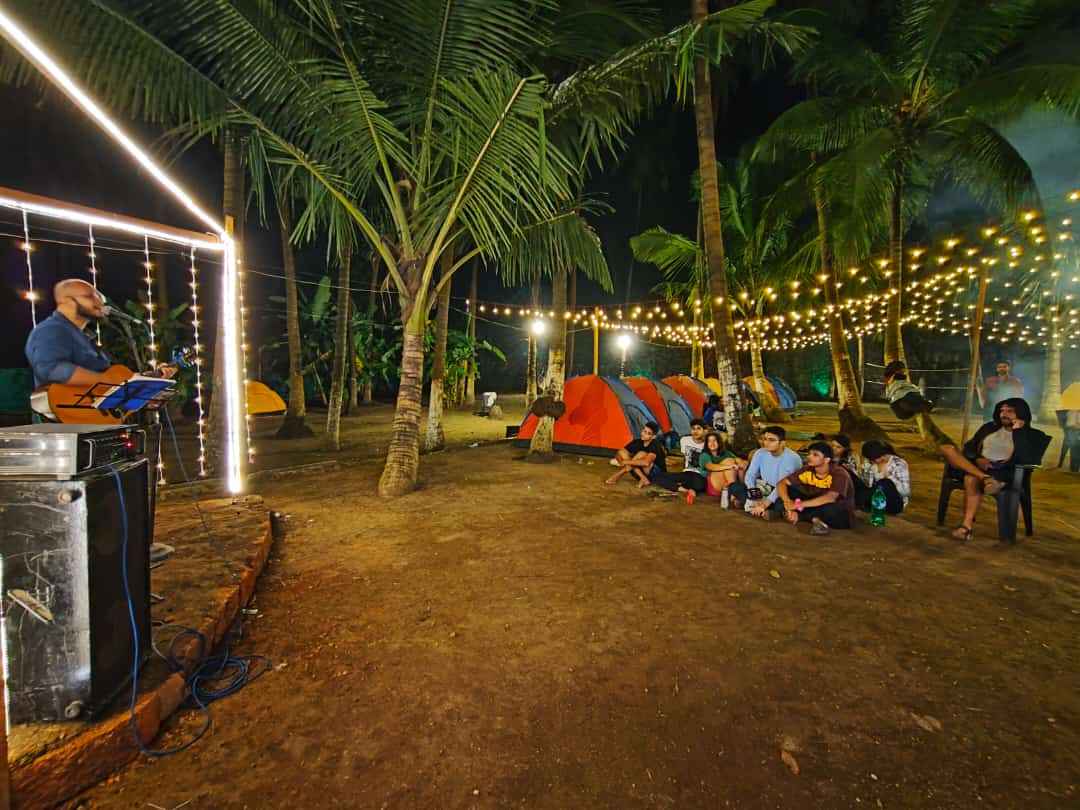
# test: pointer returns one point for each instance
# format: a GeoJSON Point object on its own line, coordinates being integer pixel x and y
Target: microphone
{"type": "Point", "coordinates": [113, 312]}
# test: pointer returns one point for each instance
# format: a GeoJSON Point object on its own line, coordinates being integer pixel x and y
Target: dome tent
{"type": "Point", "coordinates": [262, 399]}
{"type": "Point", "coordinates": [780, 390]}
{"type": "Point", "coordinates": [694, 392]}
{"type": "Point", "coordinates": [602, 415]}
{"type": "Point", "coordinates": [671, 410]}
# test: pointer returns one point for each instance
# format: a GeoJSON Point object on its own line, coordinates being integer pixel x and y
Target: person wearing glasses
{"type": "Point", "coordinates": [770, 465]}
{"type": "Point", "coordinates": [59, 350]}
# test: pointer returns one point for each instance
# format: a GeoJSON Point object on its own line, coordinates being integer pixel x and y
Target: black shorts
{"type": "Point", "coordinates": [910, 405]}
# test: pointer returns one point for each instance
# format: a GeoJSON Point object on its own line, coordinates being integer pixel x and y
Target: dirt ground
{"type": "Point", "coordinates": [515, 635]}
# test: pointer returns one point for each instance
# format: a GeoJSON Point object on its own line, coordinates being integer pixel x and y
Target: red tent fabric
{"type": "Point", "coordinates": [694, 391]}
{"type": "Point", "coordinates": [601, 416]}
{"type": "Point", "coordinates": [647, 393]}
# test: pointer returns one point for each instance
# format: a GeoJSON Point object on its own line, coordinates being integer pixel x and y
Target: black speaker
{"type": "Point", "coordinates": [67, 640]}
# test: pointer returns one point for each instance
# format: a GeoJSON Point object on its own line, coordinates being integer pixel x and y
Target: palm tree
{"type": "Point", "coordinates": [295, 422]}
{"type": "Point", "coordinates": [435, 437]}
{"type": "Point", "coordinates": [759, 263]}
{"type": "Point", "coordinates": [417, 111]}
{"type": "Point", "coordinates": [925, 105]}
{"type": "Point", "coordinates": [551, 249]}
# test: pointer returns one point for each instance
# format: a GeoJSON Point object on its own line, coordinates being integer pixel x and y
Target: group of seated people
{"type": "Point", "coordinates": [825, 489]}
{"type": "Point", "coordinates": [827, 486]}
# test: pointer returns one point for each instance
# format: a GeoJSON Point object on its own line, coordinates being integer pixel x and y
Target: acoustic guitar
{"type": "Point", "coordinates": [74, 404]}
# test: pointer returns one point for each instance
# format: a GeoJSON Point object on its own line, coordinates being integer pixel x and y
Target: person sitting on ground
{"type": "Point", "coordinates": [644, 457]}
{"type": "Point", "coordinates": [720, 466]}
{"type": "Point", "coordinates": [996, 449]}
{"type": "Point", "coordinates": [756, 493]}
{"type": "Point", "coordinates": [714, 414]}
{"type": "Point", "coordinates": [843, 454]}
{"type": "Point", "coordinates": [691, 480]}
{"type": "Point", "coordinates": [821, 492]}
{"type": "Point", "coordinates": [907, 402]}
{"type": "Point", "coordinates": [882, 469]}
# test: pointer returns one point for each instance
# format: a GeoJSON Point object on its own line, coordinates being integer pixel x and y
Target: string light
{"type": "Point", "coordinates": [93, 278]}
{"type": "Point", "coordinates": [234, 392]}
{"type": "Point", "coordinates": [201, 414]}
{"type": "Point", "coordinates": [31, 294]}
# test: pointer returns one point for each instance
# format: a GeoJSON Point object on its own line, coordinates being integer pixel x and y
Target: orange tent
{"type": "Point", "coordinates": [694, 391]}
{"type": "Point", "coordinates": [644, 389]}
{"type": "Point", "coordinates": [602, 415]}
{"type": "Point", "coordinates": [262, 399]}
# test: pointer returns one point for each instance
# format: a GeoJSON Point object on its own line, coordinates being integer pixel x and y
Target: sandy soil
{"type": "Point", "coordinates": [521, 636]}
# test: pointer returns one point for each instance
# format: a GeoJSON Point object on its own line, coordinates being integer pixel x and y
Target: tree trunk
{"type": "Point", "coordinates": [769, 406]}
{"type": "Point", "coordinates": [470, 376]}
{"type": "Point", "coordinates": [894, 338]}
{"type": "Point", "coordinates": [341, 353]}
{"type": "Point", "coordinates": [540, 446]}
{"type": "Point", "coordinates": [435, 438]}
{"type": "Point", "coordinates": [531, 361]}
{"type": "Point", "coordinates": [860, 377]}
{"type": "Point", "coordinates": [727, 357]}
{"type": "Point", "coordinates": [568, 357]}
{"type": "Point", "coordinates": [853, 418]}
{"type": "Point", "coordinates": [373, 300]}
{"type": "Point", "coordinates": [1051, 393]}
{"type": "Point", "coordinates": [295, 424]}
{"type": "Point", "coordinates": [403, 456]}
{"type": "Point", "coordinates": [350, 341]}
{"type": "Point", "coordinates": [232, 208]}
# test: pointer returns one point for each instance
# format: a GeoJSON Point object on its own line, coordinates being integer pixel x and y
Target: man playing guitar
{"type": "Point", "coordinates": [60, 351]}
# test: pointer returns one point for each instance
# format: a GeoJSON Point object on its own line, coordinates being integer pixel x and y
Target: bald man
{"type": "Point", "coordinates": [58, 349]}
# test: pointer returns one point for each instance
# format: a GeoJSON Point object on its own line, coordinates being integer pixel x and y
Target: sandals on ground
{"type": "Point", "coordinates": [962, 533]}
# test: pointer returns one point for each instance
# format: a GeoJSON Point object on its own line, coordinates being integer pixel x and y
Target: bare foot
{"type": "Point", "coordinates": [644, 482]}
{"type": "Point", "coordinates": [613, 480]}
{"type": "Point", "coordinates": [615, 462]}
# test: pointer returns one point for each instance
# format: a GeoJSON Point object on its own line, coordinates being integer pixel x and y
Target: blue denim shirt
{"type": "Point", "coordinates": [57, 346]}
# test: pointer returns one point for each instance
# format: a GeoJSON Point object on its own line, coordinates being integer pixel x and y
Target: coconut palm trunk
{"type": "Point", "coordinates": [435, 437]}
{"type": "Point", "coordinates": [727, 357]}
{"type": "Point", "coordinates": [769, 405]}
{"type": "Point", "coordinates": [894, 337]}
{"type": "Point", "coordinates": [403, 456]}
{"type": "Point", "coordinates": [295, 424]}
{"type": "Point", "coordinates": [470, 376]}
{"type": "Point", "coordinates": [531, 362]}
{"type": "Point", "coordinates": [1051, 393]}
{"type": "Point", "coordinates": [541, 444]}
{"type": "Point", "coordinates": [568, 357]}
{"type": "Point", "coordinates": [853, 418]}
{"type": "Point", "coordinates": [341, 352]}
{"type": "Point", "coordinates": [350, 360]}
{"type": "Point", "coordinates": [232, 210]}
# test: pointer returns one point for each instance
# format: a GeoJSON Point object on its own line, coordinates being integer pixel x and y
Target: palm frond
{"type": "Point", "coordinates": [565, 241]}
{"type": "Point", "coordinates": [1007, 94]}
{"type": "Point", "coordinates": [823, 125]}
{"type": "Point", "coordinates": [952, 39]}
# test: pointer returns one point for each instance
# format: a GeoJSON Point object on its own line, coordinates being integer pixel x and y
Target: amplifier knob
{"type": "Point", "coordinates": [73, 709]}
{"type": "Point", "coordinates": [64, 496]}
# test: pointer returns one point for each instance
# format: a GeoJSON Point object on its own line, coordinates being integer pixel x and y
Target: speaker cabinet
{"type": "Point", "coordinates": [67, 640]}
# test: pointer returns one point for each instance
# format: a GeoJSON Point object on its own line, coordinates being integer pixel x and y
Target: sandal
{"type": "Point", "coordinates": [690, 496]}
{"type": "Point", "coordinates": [992, 486]}
{"type": "Point", "coordinates": [962, 533]}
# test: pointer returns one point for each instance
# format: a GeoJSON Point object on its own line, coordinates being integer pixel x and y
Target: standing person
{"type": "Point", "coordinates": [644, 457]}
{"type": "Point", "coordinates": [720, 466]}
{"type": "Point", "coordinates": [820, 492]}
{"type": "Point", "coordinates": [769, 465]}
{"type": "Point", "coordinates": [882, 469]}
{"type": "Point", "coordinates": [1002, 385]}
{"type": "Point", "coordinates": [996, 448]}
{"type": "Point", "coordinates": [691, 480]}
{"type": "Point", "coordinates": [907, 402]}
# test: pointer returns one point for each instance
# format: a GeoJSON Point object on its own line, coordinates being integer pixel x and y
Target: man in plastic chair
{"type": "Point", "coordinates": [997, 448]}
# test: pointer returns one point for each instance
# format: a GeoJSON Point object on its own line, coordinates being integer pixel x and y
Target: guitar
{"type": "Point", "coordinates": [74, 404]}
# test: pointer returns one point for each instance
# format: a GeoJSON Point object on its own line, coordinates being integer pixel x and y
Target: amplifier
{"type": "Point", "coordinates": [66, 634]}
{"type": "Point", "coordinates": [63, 451]}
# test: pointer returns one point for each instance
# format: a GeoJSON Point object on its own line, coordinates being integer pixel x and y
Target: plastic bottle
{"type": "Point", "coordinates": [877, 508]}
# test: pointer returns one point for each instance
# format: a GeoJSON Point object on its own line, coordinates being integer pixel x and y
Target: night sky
{"type": "Point", "coordinates": [48, 148]}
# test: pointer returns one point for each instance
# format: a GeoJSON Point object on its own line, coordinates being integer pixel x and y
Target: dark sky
{"type": "Point", "coordinates": [48, 148]}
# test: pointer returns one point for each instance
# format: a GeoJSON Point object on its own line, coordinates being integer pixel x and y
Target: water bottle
{"type": "Point", "coordinates": [725, 499]}
{"type": "Point", "coordinates": [877, 508]}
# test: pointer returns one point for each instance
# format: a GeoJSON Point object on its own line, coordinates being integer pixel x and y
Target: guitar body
{"type": "Point", "coordinates": [71, 405]}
